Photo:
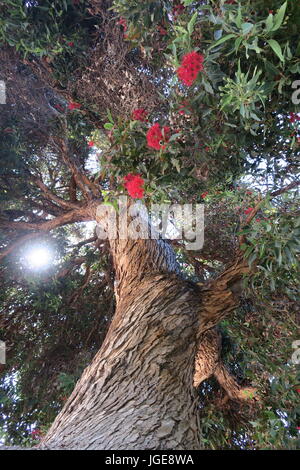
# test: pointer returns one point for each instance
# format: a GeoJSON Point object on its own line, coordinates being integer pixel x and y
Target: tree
{"type": "Point", "coordinates": [163, 94]}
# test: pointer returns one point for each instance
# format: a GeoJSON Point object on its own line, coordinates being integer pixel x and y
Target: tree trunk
{"type": "Point", "coordinates": [138, 392]}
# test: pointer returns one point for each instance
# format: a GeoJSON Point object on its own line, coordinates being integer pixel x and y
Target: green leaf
{"type": "Point", "coordinates": [223, 39]}
{"type": "Point", "coordinates": [238, 43]}
{"type": "Point", "coordinates": [108, 126]}
{"type": "Point", "coordinates": [175, 163]}
{"type": "Point", "coordinates": [252, 258]}
{"type": "Point", "coordinates": [208, 87]}
{"type": "Point", "coordinates": [192, 22]}
{"type": "Point", "coordinates": [276, 48]}
{"type": "Point", "coordinates": [246, 28]}
{"type": "Point", "coordinates": [269, 23]}
{"type": "Point", "coordinates": [278, 19]}
{"type": "Point", "coordinates": [110, 118]}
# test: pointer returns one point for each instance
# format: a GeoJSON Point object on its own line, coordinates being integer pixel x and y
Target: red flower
{"type": "Point", "coordinates": [59, 107]}
{"type": "Point", "coordinates": [249, 210]}
{"type": "Point", "coordinates": [191, 65]}
{"type": "Point", "coordinates": [203, 195]}
{"type": "Point", "coordinates": [122, 21]}
{"type": "Point", "coordinates": [36, 434]}
{"type": "Point", "coordinates": [184, 106]}
{"type": "Point", "coordinates": [271, 12]}
{"type": "Point", "coordinates": [139, 114]}
{"type": "Point", "coordinates": [178, 9]}
{"type": "Point", "coordinates": [91, 143]}
{"type": "Point", "coordinates": [294, 117]}
{"type": "Point", "coordinates": [72, 105]}
{"type": "Point", "coordinates": [162, 31]}
{"type": "Point", "coordinates": [249, 193]}
{"type": "Point", "coordinates": [71, 44]}
{"type": "Point", "coordinates": [156, 136]}
{"type": "Point", "coordinates": [298, 390]}
{"type": "Point", "coordinates": [134, 185]}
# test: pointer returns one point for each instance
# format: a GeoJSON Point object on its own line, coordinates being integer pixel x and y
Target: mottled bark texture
{"type": "Point", "coordinates": [138, 393]}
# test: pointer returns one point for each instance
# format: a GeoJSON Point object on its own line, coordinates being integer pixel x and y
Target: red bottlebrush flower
{"type": "Point", "coordinates": [231, 2]}
{"type": "Point", "coordinates": [249, 193]}
{"type": "Point", "coordinates": [178, 9]}
{"type": "Point", "coordinates": [191, 65]}
{"type": "Point", "coordinates": [156, 136]}
{"type": "Point", "coordinates": [294, 117]}
{"type": "Point", "coordinates": [91, 143]}
{"type": "Point", "coordinates": [186, 76]}
{"type": "Point", "coordinates": [298, 390]}
{"type": "Point", "coordinates": [184, 106]}
{"type": "Point", "coordinates": [134, 185]}
{"type": "Point", "coordinates": [271, 12]}
{"type": "Point", "coordinates": [249, 210]}
{"type": "Point", "coordinates": [122, 22]}
{"type": "Point", "coordinates": [207, 149]}
{"type": "Point", "coordinates": [139, 114]}
{"type": "Point", "coordinates": [71, 44]}
{"type": "Point", "coordinates": [8, 130]}
{"type": "Point", "coordinates": [36, 434]}
{"type": "Point", "coordinates": [162, 31]}
{"type": "Point", "coordinates": [203, 195]}
{"type": "Point", "coordinates": [59, 107]}
{"type": "Point", "coordinates": [193, 60]}
{"type": "Point", "coordinates": [72, 106]}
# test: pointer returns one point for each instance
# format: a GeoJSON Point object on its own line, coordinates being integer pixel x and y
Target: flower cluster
{"type": "Point", "coordinates": [139, 114]}
{"type": "Point", "coordinates": [122, 22]}
{"type": "Point", "coordinates": [249, 210]}
{"type": "Point", "coordinates": [178, 9]}
{"type": "Point", "coordinates": [72, 106]}
{"type": "Point", "coordinates": [91, 143]}
{"type": "Point", "coordinates": [293, 117]}
{"type": "Point", "coordinates": [157, 136]}
{"type": "Point", "coordinates": [192, 64]}
{"type": "Point", "coordinates": [36, 434]}
{"type": "Point", "coordinates": [162, 31]}
{"type": "Point", "coordinates": [134, 185]}
{"type": "Point", "coordinates": [185, 108]}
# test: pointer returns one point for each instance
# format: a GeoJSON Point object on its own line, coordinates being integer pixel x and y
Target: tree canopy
{"type": "Point", "coordinates": [166, 102]}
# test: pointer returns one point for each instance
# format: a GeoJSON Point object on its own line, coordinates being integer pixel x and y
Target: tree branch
{"type": "Point", "coordinates": [82, 214]}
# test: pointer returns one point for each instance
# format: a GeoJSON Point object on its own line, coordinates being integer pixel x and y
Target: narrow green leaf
{"type": "Point", "coordinates": [192, 22]}
{"type": "Point", "coordinates": [276, 48]}
{"type": "Point", "coordinates": [223, 39]}
{"type": "Point", "coordinates": [269, 23]}
{"type": "Point", "coordinates": [278, 19]}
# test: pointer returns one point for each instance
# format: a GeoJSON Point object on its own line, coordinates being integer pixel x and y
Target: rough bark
{"type": "Point", "coordinates": [138, 393]}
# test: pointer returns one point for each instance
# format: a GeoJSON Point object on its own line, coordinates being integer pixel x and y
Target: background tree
{"type": "Point", "coordinates": [85, 84]}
